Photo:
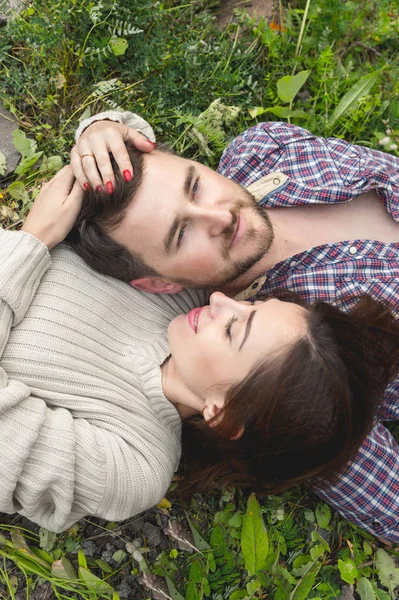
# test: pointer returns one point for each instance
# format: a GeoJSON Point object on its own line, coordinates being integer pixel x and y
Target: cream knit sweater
{"type": "Point", "coordinates": [84, 426]}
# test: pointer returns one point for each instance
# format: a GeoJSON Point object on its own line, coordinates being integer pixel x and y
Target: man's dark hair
{"type": "Point", "coordinates": [101, 213]}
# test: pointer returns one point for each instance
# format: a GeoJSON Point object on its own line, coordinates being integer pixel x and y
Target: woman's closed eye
{"type": "Point", "coordinates": [229, 325]}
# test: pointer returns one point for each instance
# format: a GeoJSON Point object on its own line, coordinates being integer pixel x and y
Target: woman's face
{"type": "Point", "coordinates": [216, 346]}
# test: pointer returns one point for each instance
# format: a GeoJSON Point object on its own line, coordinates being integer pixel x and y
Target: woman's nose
{"type": "Point", "coordinates": [220, 303]}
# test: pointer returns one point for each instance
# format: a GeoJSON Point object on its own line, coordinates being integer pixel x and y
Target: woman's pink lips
{"type": "Point", "coordinates": [240, 230]}
{"type": "Point", "coordinates": [193, 318]}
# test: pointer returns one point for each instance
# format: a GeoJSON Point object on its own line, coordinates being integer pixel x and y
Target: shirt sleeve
{"type": "Point", "coordinates": [125, 118]}
{"type": "Point", "coordinates": [328, 170]}
{"type": "Point", "coordinates": [367, 492]}
{"type": "Point", "coordinates": [55, 468]}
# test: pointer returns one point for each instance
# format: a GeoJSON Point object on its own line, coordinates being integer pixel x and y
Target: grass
{"type": "Point", "coordinates": [328, 65]}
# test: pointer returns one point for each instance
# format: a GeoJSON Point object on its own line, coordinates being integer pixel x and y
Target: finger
{"type": "Point", "coordinates": [121, 156]}
{"type": "Point", "coordinates": [104, 166]}
{"type": "Point", "coordinates": [73, 202]}
{"type": "Point", "coordinates": [140, 141]}
{"type": "Point", "coordinates": [89, 167]}
{"type": "Point", "coordinates": [62, 182]}
{"type": "Point", "coordinates": [77, 168]}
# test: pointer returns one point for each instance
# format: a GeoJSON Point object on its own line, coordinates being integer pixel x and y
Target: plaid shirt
{"type": "Point", "coordinates": [328, 171]}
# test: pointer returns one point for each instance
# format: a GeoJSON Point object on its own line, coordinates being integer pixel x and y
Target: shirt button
{"type": "Point", "coordinates": [353, 249]}
{"type": "Point", "coordinates": [376, 523]}
{"type": "Point", "coordinates": [276, 181]}
{"type": "Point", "coordinates": [353, 155]}
{"type": "Point", "coordinates": [293, 263]}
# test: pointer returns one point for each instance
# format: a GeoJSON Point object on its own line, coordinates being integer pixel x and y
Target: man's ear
{"type": "Point", "coordinates": [156, 285]}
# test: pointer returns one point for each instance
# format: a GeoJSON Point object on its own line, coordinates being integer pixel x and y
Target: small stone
{"type": "Point", "coordinates": [152, 535]}
{"type": "Point", "coordinates": [89, 548]}
{"type": "Point", "coordinates": [7, 126]}
{"type": "Point", "coordinates": [124, 590]}
{"type": "Point", "coordinates": [108, 553]}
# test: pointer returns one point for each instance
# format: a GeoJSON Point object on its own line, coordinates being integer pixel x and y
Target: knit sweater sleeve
{"type": "Point", "coordinates": [56, 468]}
{"type": "Point", "coordinates": [125, 118]}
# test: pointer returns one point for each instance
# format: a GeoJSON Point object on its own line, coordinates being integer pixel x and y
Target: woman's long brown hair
{"type": "Point", "coordinates": [304, 416]}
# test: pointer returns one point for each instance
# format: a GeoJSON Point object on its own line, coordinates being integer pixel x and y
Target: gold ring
{"type": "Point", "coordinates": [86, 154]}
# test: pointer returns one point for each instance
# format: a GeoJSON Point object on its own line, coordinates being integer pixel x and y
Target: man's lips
{"type": "Point", "coordinates": [239, 230]}
{"type": "Point", "coordinates": [193, 318]}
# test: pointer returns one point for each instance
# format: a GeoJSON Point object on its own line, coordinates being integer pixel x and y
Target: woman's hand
{"type": "Point", "coordinates": [90, 156]}
{"type": "Point", "coordinates": [55, 209]}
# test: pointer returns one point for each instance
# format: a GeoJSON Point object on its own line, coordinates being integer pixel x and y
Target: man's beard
{"type": "Point", "coordinates": [235, 269]}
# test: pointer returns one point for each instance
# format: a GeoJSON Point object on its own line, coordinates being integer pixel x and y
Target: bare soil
{"type": "Point", "coordinates": [255, 8]}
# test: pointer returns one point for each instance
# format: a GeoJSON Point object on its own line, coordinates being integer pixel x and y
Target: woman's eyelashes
{"type": "Point", "coordinates": [194, 192]}
{"type": "Point", "coordinates": [228, 326]}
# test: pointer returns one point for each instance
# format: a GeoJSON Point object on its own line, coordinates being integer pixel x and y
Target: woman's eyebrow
{"type": "Point", "coordinates": [247, 329]}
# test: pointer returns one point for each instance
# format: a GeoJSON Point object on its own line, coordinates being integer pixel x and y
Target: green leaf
{"type": "Point", "coordinates": [283, 112]}
{"type": "Point", "coordinates": [199, 542]}
{"type": "Point", "coordinates": [348, 570]}
{"type": "Point", "coordinates": [119, 556]}
{"type": "Point", "coordinates": [24, 145]}
{"type": "Point", "coordinates": [238, 595]}
{"type": "Point", "coordinates": [173, 592]}
{"type": "Point", "coordinates": [22, 549]}
{"type": "Point", "coordinates": [103, 565]}
{"type": "Point", "coordinates": [256, 111]}
{"type": "Point", "coordinates": [387, 572]}
{"type": "Point", "coordinates": [365, 589]}
{"type": "Point", "coordinates": [3, 164]}
{"type": "Point", "coordinates": [47, 539]}
{"type": "Point", "coordinates": [303, 588]}
{"type": "Point", "coordinates": [94, 583]}
{"type": "Point", "coordinates": [289, 86]}
{"type": "Point", "coordinates": [217, 541]}
{"type": "Point", "coordinates": [236, 519]}
{"type": "Point", "coordinates": [118, 46]}
{"type": "Point", "coordinates": [82, 562]}
{"type": "Point", "coordinates": [195, 572]}
{"type": "Point", "coordinates": [51, 164]}
{"type": "Point", "coordinates": [254, 539]}
{"type": "Point", "coordinates": [323, 515]}
{"type": "Point", "coordinates": [27, 163]}
{"type": "Point", "coordinates": [63, 569]}
{"type": "Point", "coordinates": [368, 550]}
{"type": "Point", "coordinates": [354, 95]}
{"type": "Point", "coordinates": [18, 191]}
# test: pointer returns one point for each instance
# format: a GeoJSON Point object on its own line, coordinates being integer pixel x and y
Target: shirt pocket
{"type": "Point", "coordinates": [348, 160]}
{"type": "Point", "coordinates": [383, 289]}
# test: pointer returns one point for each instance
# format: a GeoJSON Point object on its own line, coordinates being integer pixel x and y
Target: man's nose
{"type": "Point", "coordinates": [216, 219]}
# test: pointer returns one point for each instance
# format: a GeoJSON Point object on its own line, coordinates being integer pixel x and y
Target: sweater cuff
{"type": "Point", "coordinates": [128, 118]}
{"type": "Point", "coordinates": [24, 260]}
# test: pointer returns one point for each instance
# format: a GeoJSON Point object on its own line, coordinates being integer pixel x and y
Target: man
{"type": "Point", "coordinates": [190, 226]}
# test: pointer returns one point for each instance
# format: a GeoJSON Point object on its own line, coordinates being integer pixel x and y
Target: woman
{"type": "Point", "coordinates": [92, 394]}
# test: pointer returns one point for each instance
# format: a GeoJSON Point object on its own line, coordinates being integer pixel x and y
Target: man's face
{"type": "Point", "coordinates": [192, 225]}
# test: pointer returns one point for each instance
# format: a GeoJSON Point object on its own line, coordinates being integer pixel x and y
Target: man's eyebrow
{"type": "Point", "coordinates": [190, 173]}
{"type": "Point", "coordinates": [247, 329]}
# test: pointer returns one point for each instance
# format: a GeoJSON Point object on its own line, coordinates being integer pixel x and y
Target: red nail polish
{"type": "Point", "coordinates": [127, 175]}
{"type": "Point", "coordinates": [110, 187]}
{"type": "Point", "coordinates": [86, 186]}
{"type": "Point", "coordinates": [99, 188]}
{"type": "Point", "coordinates": [153, 144]}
